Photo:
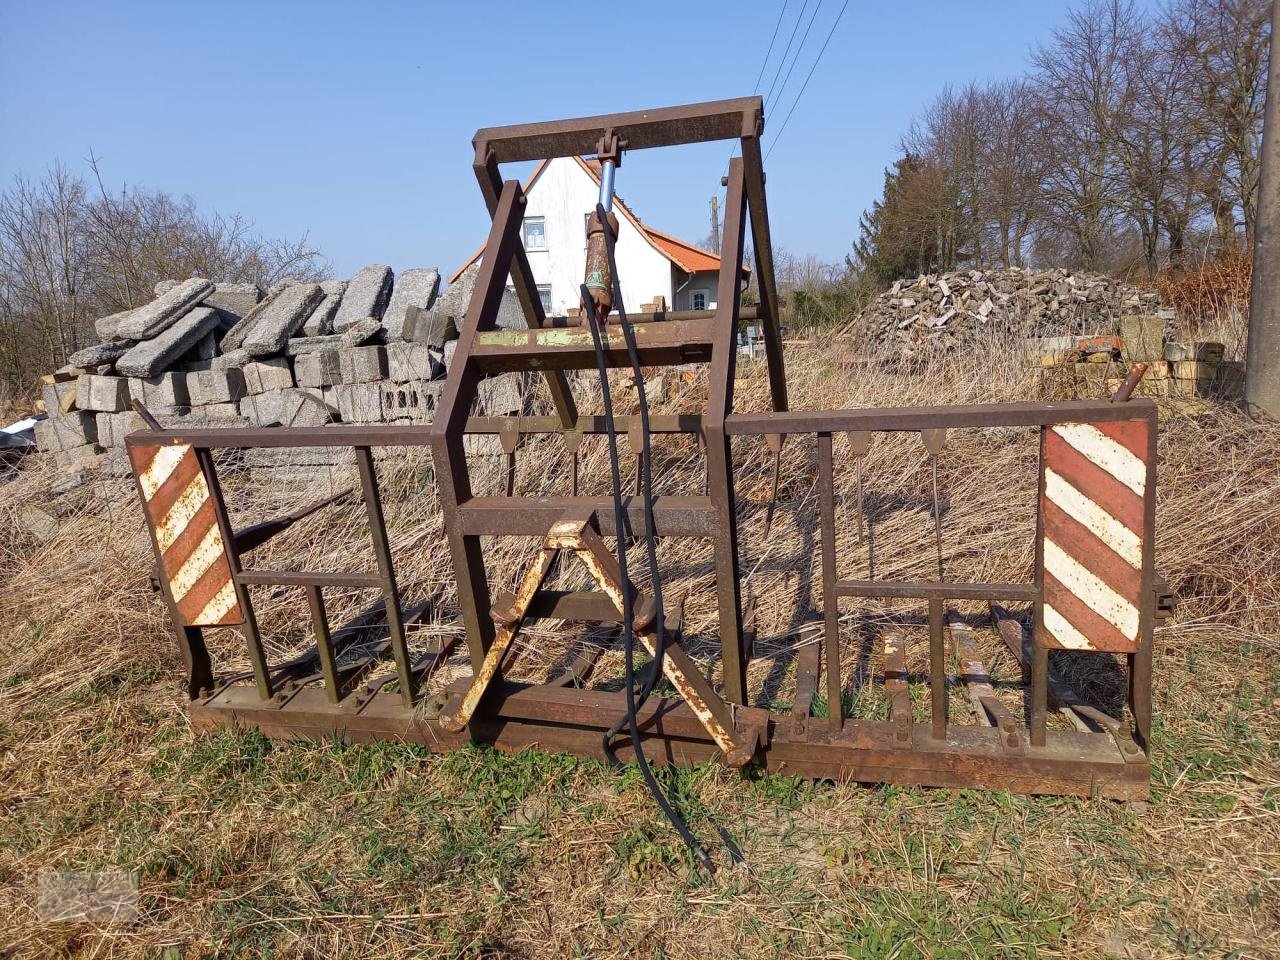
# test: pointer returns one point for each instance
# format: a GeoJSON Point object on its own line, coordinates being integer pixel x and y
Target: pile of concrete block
{"type": "Point", "coordinates": [371, 349]}
{"type": "Point", "coordinates": [1096, 366]}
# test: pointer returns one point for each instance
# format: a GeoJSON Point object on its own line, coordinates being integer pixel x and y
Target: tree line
{"type": "Point", "coordinates": [1132, 143]}
{"type": "Point", "coordinates": [72, 251]}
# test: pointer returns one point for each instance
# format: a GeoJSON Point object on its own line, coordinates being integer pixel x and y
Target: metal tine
{"type": "Point", "coordinates": [934, 442]}
{"type": "Point", "coordinates": [859, 444]}
{"type": "Point", "coordinates": [509, 437]}
{"type": "Point", "coordinates": [572, 442]}
{"type": "Point", "coordinates": [775, 441]}
{"type": "Point", "coordinates": [635, 437]}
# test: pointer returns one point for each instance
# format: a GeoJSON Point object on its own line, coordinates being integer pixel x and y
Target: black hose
{"type": "Point", "coordinates": [628, 630]}
{"type": "Point", "coordinates": [646, 486]}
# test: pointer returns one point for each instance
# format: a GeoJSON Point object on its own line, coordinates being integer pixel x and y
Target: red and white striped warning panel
{"type": "Point", "coordinates": [1093, 512]}
{"type": "Point", "coordinates": [176, 498]}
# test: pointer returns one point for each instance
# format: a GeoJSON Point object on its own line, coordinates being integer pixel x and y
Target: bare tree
{"type": "Point", "coordinates": [68, 256]}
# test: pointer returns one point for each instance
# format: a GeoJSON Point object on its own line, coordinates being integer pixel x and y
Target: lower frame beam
{"type": "Point", "coordinates": [563, 721]}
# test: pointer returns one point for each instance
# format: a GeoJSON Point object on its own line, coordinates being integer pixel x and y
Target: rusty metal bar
{"type": "Point", "coordinates": [719, 459]}
{"type": "Point", "coordinates": [940, 417]}
{"type": "Point", "coordinates": [386, 569]}
{"type": "Point", "coordinates": [928, 589]}
{"type": "Point", "coordinates": [324, 644]}
{"type": "Point", "coordinates": [637, 130]}
{"type": "Point", "coordinates": [658, 423]}
{"type": "Point", "coordinates": [762, 244]}
{"type": "Point", "coordinates": [658, 344]}
{"type": "Point", "coordinates": [305, 578]}
{"type": "Point", "coordinates": [830, 607]}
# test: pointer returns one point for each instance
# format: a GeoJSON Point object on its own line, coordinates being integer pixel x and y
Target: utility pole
{"type": "Point", "coordinates": [1262, 361]}
{"type": "Point", "coordinates": [715, 225]}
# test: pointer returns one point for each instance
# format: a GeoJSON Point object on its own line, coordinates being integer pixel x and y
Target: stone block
{"type": "Point", "coordinates": [363, 364]}
{"type": "Point", "coordinates": [1175, 351]}
{"type": "Point", "coordinates": [305, 408]}
{"type": "Point", "coordinates": [233, 301]}
{"type": "Point", "coordinates": [216, 386]}
{"type": "Point", "coordinates": [321, 369]}
{"type": "Point", "coordinates": [163, 287]}
{"type": "Point", "coordinates": [449, 350]}
{"type": "Point", "coordinates": [62, 432]}
{"type": "Point", "coordinates": [320, 323]}
{"type": "Point", "coordinates": [221, 413]}
{"type": "Point", "coordinates": [163, 391]}
{"type": "Point", "coordinates": [108, 327]}
{"type": "Point", "coordinates": [165, 349]}
{"type": "Point", "coordinates": [101, 354]}
{"type": "Point", "coordinates": [102, 394]}
{"type": "Point", "coordinates": [413, 402]}
{"type": "Point", "coordinates": [234, 338]}
{"type": "Point", "coordinates": [412, 361]}
{"type": "Point", "coordinates": [417, 288]}
{"type": "Point", "coordinates": [77, 456]}
{"type": "Point", "coordinates": [432, 327]}
{"type": "Point", "coordinates": [114, 427]}
{"type": "Point", "coordinates": [206, 347]}
{"type": "Point", "coordinates": [359, 402]}
{"type": "Point", "coordinates": [366, 295]}
{"type": "Point", "coordinates": [157, 316]}
{"type": "Point", "coordinates": [263, 409]}
{"type": "Point", "coordinates": [1141, 338]}
{"type": "Point", "coordinates": [263, 376]}
{"type": "Point", "coordinates": [1208, 351]}
{"type": "Point", "coordinates": [281, 319]}
{"type": "Point", "coordinates": [59, 397]}
{"type": "Point", "coordinates": [233, 358]}
{"type": "Point", "coordinates": [502, 395]}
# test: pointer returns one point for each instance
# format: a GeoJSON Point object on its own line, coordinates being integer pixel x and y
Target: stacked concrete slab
{"type": "Point", "coordinates": [371, 349]}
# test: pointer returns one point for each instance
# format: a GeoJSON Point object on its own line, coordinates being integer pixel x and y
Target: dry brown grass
{"type": "Point", "coordinates": [248, 848]}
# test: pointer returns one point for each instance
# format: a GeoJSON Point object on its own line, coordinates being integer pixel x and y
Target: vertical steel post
{"type": "Point", "coordinates": [719, 449]}
{"type": "Point", "coordinates": [830, 603]}
{"type": "Point", "coordinates": [324, 643]}
{"type": "Point", "coordinates": [390, 591]}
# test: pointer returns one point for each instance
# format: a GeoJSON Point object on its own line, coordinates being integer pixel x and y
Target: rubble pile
{"type": "Point", "coordinates": [944, 312]}
{"type": "Point", "coordinates": [372, 349]}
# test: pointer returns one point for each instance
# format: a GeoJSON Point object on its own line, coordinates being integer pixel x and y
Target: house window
{"type": "Point", "coordinates": [544, 294]}
{"type": "Point", "coordinates": [698, 300]}
{"type": "Point", "coordinates": [535, 233]}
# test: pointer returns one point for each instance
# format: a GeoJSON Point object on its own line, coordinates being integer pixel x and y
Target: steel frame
{"type": "Point", "coordinates": [317, 695]}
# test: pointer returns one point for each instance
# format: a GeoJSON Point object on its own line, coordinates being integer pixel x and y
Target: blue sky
{"type": "Point", "coordinates": [352, 123]}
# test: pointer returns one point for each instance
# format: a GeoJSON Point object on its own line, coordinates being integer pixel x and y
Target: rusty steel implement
{"type": "Point", "coordinates": [1091, 589]}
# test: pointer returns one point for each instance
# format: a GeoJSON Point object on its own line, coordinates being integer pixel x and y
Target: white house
{"type": "Point", "coordinates": [562, 193]}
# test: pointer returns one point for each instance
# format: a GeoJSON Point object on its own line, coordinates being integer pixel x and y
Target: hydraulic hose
{"type": "Point", "coordinates": [628, 629]}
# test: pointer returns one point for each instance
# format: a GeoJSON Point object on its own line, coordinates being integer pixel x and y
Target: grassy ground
{"type": "Point", "coordinates": [244, 847]}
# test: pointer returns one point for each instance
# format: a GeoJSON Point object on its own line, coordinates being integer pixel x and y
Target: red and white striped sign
{"type": "Point", "coordinates": [1093, 514]}
{"type": "Point", "coordinates": [175, 495]}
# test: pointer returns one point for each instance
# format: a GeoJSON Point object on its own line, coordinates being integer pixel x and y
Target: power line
{"type": "Point", "coordinates": [805, 86]}
{"type": "Point", "coordinates": [782, 62]}
{"type": "Point", "coordinates": [796, 59]}
{"type": "Point", "coordinates": [782, 13]}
